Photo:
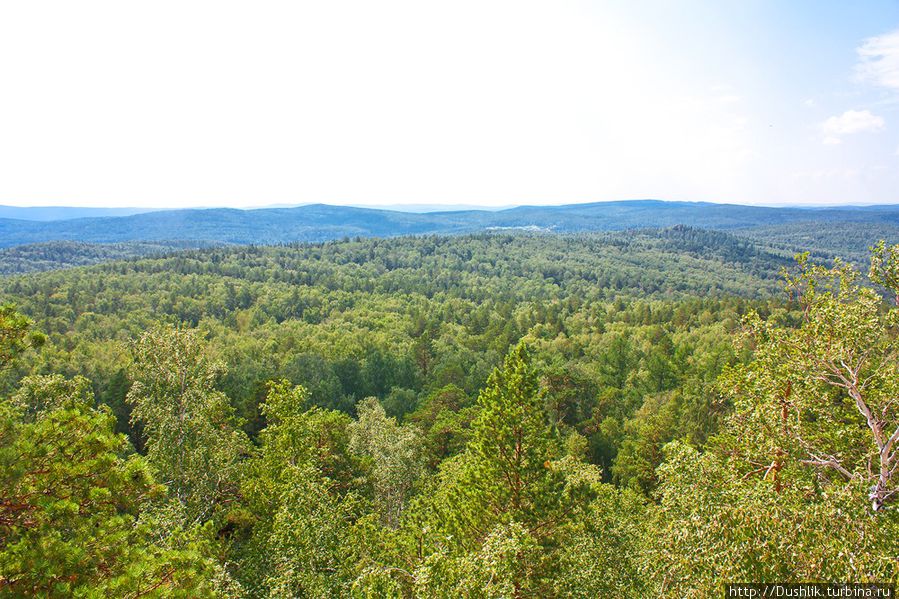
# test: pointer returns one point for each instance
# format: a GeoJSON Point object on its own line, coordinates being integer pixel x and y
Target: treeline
{"type": "Point", "coordinates": [506, 431]}
{"type": "Point", "coordinates": [666, 261]}
{"type": "Point", "coordinates": [850, 241]}
{"type": "Point", "coordinates": [54, 255]}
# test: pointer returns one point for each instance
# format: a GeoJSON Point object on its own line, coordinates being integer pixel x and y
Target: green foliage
{"type": "Point", "coordinates": [445, 417]}
{"type": "Point", "coordinates": [16, 335]}
{"type": "Point", "coordinates": [187, 423]}
{"type": "Point", "coordinates": [501, 567]}
{"type": "Point", "coordinates": [394, 454]}
{"type": "Point", "coordinates": [505, 472]}
{"type": "Point", "coordinates": [602, 553]}
{"type": "Point", "coordinates": [885, 267]}
{"type": "Point", "coordinates": [510, 444]}
{"type": "Point", "coordinates": [499, 512]}
{"type": "Point", "coordinates": [71, 501]}
{"type": "Point", "coordinates": [825, 240]}
{"type": "Point", "coordinates": [798, 485]}
{"type": "Point", "coordinates": [310, 548]}
{"type": "Point", "coordinates": [822, 395]}
{"type": "Point", "coordinates": [715, 524]}
{"type": "Point", "coordinates": [293, 533]}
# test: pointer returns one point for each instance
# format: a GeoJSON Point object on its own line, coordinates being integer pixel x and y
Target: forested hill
{"type": "Point", "coordinates": [49, 213]}
{"type": "Point", "coordinates": [672, 262]}
{"type": "Point", "coordinates": [51, 255]}
{"type": "Point", "coordinates": [323, 222]}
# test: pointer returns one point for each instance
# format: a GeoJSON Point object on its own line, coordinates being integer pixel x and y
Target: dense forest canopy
{"type": "Point", "coordinates": [626, 414]}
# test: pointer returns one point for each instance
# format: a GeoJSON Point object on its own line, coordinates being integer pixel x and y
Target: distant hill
{"type": "Point", "coordinates": [31, 245]}
{"type": "Point", "coordinates": [263, 226]}
{"type": "Point", "coordinates": [319, 222]}
{"type": "Point", "coordinates": [47, 213]}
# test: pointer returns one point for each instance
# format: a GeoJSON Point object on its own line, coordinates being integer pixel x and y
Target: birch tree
{"type": "Point", "coordinates": [825, 393]}
{"type": "Point", "coordinates": [191, 437]}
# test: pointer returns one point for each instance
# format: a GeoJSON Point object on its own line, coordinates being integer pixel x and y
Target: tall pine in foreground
{"type": "Point", "coordinates": [76, 503]}
{"type": "Point", "coordinates": [500, 510]}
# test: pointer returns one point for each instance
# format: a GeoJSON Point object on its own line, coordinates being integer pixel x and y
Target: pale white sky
{"type": "Point", "coordinates": [190, 103]}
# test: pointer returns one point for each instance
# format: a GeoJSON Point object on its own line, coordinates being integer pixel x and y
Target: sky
{"type": "Point", "coordinates": [492, 103]}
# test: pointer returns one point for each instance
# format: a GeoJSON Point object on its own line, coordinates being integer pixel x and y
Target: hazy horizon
{"type": "Point", "coordinates": [422, 207]}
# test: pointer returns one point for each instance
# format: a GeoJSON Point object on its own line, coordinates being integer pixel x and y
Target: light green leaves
{"type": "Point", "coordinates": [395, 454]}
{"type": "Point", "coordinates": [191, 437]}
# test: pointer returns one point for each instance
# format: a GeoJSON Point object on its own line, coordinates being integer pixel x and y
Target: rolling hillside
{"type": "Point", "coordinates": [36, 245]}
{"type": "Point", "coordinates": [321, 222]}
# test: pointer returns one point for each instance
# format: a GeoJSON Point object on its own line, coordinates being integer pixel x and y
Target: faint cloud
{"type": "Point", "coordinates": [729, 99]}
{"type": "Point", "coordinates": [831, 174]}
{"type": "Point", "coordinates": [851, 121]}
{"type": "Point", "coordinates": [725, 94]}
{"type": "Point", "coordinates": [879, 60]}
